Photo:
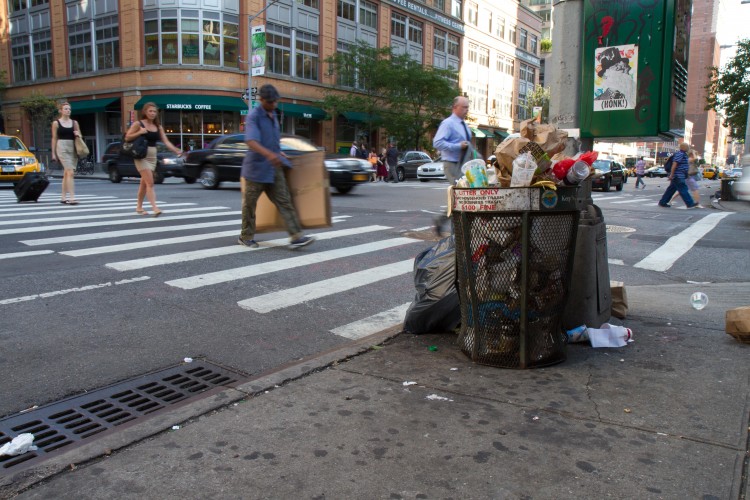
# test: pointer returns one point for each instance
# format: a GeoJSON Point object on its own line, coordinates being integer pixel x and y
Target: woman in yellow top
{"type": "Point", "coordinates": [64, 133]}
{"type": "Point", "coordinates": [148, 126]}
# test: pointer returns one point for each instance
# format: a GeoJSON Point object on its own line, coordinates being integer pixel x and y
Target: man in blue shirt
{"type": "Point", "coordinates": [263, 171]}
{"type": "Point", "coordinates": [453, 139]}
{"type": "Point", "coordinates": [677, 176]}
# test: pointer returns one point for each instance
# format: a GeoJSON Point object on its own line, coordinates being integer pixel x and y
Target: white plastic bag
{"type": "Point", "coordinates": [606, 336]}
{"type": "Point", "coordinates": [19, 445]}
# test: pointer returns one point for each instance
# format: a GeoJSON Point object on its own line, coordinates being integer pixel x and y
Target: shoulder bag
{"type": "Point", "coordinates": [136, 149]}
{"type": "Point", "coordinates": [82, 150]}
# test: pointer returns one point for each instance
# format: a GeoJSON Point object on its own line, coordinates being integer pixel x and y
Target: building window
{"type": "Point", "coordinates": [523, 37]}
{"type": "Point", "coordinates": [533, 43]}
{"type": "Point", "coordinates": [211, 41]}
{"type": "Point", "coordinates": [439, 40]}
{"type": "Point", "coordinates": [21, 55]}
{"type": "Point", "coordinates": [453, 42]}
{"type": "Point", "coordinates": [42, 54]}
{"type": "Point", "coordinates": [512, 34]}
{"type": "Point", "coordinates": [472, 13]}
{"type": "Point", "coordinates": [79, 44]}
{"type": "Point", "coordinates": [279, 53]}
{"type": "Point", "coordinates": [347, 9]}
{"type": "Point", "coordinates": [191, 37]}
{"type": "Point", "coordinates": [398, 25]}
{"type": "Point", "coordinates": [477, 98]}
{"type": "Point", "coordinates": [415, 31]}
{"type": "Point", "coordinates": [473, 55]}
{"type": "Point", "coordinates": [526, 79]}
{"type": "Point", "coordinates": [500, 28]}
{"type": "Point", "coordinates": [310, 3]}
{"type": "Point", "coordinates": [368, 14]}
{"type": "Point", "coordinates": [231, 33]}
{"type": "Point", "coordinates": [306, 55]}
{"type": "Point", "coordinates": [509, 69]}
{"type": "Point", "coordinates": [456, 8]}
{"type": "Point", "coordinates": [500, 63]}
{"type": "Point", "coordinates": [484, 57]}
{"type": "Point", "coordinates": [107, 43]}
{"type": "Point", "coordinates": [439, 5]}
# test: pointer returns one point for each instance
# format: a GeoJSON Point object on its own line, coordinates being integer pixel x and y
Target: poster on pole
{"type": "Point", "coordinates": [258, 45]}
{"type": "Point", "coordinates": [615, 77]}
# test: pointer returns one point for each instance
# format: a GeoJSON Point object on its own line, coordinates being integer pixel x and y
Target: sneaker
{"type": "Point", "coordinates": [667, 205]}
{"type": "Point", "coordinates": [248, 243]}
{"type": "Point", "coordinates": [301, 241]}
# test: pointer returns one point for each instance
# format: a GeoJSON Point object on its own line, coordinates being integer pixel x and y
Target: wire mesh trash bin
{"type": "Point", "coordinates": [514, 256]}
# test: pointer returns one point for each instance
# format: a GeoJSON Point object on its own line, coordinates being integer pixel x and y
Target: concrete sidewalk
{"type": "Point", "coordinates": [664, 417]}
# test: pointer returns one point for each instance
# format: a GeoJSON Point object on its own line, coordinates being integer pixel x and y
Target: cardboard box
{"type": "Point", "coordinates": [309, 187]}
{"type": "Point", "coordinates": [738, 323]}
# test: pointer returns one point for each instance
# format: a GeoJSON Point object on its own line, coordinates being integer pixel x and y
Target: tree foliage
{"type": "Point", "coordinates": [729, 89]}
{"type": "Point", "coordinates": [396, 92]}
{"type": "Point", "coordinates": [41, 109]}
{"type": "Point", "coordinates": [545, 45]}
{"type": "Point", "coordinates": [539, 97]}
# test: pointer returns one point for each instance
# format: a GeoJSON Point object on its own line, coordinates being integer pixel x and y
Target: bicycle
{"type": "Point", "coordinates": [85, 166]}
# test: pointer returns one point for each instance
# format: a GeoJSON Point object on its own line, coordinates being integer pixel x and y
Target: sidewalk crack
{"type": "Point", "coordinates": [588, 395]}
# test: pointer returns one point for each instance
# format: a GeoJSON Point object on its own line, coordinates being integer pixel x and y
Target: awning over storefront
{"type": "Point", "coordinates": [193, 102]}
{"type": "Point", "coordinates": [486, 132]}
{"type": "Point", "coordinates": [501, 135]}
{"type": "Point", "coordinates": [478, 133]}
{"type": "Point", "coordinates": [91, 106]}
{"type": "Point", "coordinates": [357, 116]}
{"type": "Point", "coordinates": [302, 111]}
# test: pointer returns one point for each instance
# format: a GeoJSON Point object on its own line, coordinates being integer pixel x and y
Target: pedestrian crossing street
{"type": "Point", "coordinates": [112, 227]}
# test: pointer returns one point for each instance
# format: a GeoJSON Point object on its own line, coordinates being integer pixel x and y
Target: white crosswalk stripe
{"type": "Point", "coordinates": [237, 273]}
{"type": "Point", "coordinates": [135, 220]}
{"type": "Point", "coordinates": [305, 293]}
{"type": "Point", "coordinates": [373, 324]}
{"type": "Point", "coordinates": [76, 216]}
{"type": "Point", "coordinates": [175, 258]}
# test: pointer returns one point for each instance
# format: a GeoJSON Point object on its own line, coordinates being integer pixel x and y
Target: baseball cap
{"type": "Point", "coordinates": [268, 93]}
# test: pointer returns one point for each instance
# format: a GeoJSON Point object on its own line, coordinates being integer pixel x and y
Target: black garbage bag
{"type": "Point", "coordinates": [436, 306]}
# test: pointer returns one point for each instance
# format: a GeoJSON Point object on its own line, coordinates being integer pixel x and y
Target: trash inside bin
{"type": "Point", "coordinates": [727, 193]}
{"type": "Point", "coordinates": [514, 255]}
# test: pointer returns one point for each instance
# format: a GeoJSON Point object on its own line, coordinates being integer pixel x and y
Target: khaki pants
{"type": "Point", "coordinates": [278, 193]}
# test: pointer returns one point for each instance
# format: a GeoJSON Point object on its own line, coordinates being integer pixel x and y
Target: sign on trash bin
{"type": "Point", "coordinates": [515, 199]}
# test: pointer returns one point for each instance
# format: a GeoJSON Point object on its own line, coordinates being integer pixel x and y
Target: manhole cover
{"type": "Point", "coordinates": [620, 229]}
{"type": "Point", "coordinates": [79, 418]}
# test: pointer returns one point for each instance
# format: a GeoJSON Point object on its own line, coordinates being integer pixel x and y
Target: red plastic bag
{"type": "Point", "coordinates": [560, 169]}
{"type": "Point", "coordinates": [589, 157]}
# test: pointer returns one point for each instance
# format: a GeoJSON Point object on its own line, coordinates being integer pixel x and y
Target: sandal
{"type": "Point", "coordinates": [72, 202]}
{"type": "Point", "coordinates": [157, 213]}
{"type": "Point", "coordinates": [64, 202]}
{"type": "Point", "coordinates": [140, 211]}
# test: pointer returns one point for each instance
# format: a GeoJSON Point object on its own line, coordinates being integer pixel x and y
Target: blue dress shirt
{"type": "Point", "coordinates": [451, 133]}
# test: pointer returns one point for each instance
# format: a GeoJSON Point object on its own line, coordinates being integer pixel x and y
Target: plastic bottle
{"type": "Point", "coordinates": [606, 336]}
{"type": "Point", "coordinates": [577, 173]}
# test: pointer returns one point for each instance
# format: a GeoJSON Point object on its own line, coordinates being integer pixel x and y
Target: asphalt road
{"type": "Point", "coordinates": [94, 294]}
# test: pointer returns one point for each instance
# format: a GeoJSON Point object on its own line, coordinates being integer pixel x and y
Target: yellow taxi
{"type": "Point", "coordinates": [710, 173]}
{"type": "Point", "coordinates": [15, 159]}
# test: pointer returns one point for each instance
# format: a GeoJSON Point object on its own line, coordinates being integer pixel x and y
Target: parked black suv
{"type": "Point", "coordinates": [119, 165]}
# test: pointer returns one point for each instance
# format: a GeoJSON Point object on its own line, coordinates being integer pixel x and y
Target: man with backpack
{"type": "Point", "coordinates": [677, 167]}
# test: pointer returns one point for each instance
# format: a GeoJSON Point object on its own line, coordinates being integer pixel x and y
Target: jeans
{"type": "Point", "coordinates": [392, 173]}
{"type": "Point", "coordinates": [680, 186]}
{"type": "Point", "coordinates": [278, 193]}
{"type": "Point", "coordinates": [639, 180]}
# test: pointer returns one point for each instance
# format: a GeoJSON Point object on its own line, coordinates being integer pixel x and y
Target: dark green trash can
{"type": "Point", "coordinates": [514, 256]}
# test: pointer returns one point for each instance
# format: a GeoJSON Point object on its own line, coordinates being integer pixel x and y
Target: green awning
{"type": "Point", "coordinates": [91, 106]}
{"type": "Point", "coordinates": [486, 132]}
{"type": "Point", "coordinates": [501, 135]}
{"type": "Point", "coordinates": [357, 116]}
{"type": "Point", "coordinates": [302, 111]}
{"type": "Point", "coordinates": [193, 102]}
{"type": "Point", "coordinates": [478, 133]}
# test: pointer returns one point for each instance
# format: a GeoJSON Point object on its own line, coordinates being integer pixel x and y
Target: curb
{"type": "Point", "coordinates": [211, 401]}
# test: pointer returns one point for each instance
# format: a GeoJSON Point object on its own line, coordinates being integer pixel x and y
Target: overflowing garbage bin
{"type": "Point", "coordinates": [514, 258]}
{"type": "Point", "coordinates": [727, 193]}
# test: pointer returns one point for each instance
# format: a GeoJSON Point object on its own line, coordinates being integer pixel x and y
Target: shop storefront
{"type": "Point", "coordinates": [192, 121]}
{"type": "Point", "coordinates": [100, 121]}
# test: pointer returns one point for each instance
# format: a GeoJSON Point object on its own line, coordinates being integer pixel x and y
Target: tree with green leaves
{"type": "Point", "coordinates": [42, 110]}
{"type": "Point", "coordinates": [729, 89]}
{"type": "Point", "coordinates": [539, 97]}
{"type": "Point", "coordinates": [394, 91]}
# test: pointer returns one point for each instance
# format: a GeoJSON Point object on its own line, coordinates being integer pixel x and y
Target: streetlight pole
{"type": "Point", "coordinates": [250, 20]}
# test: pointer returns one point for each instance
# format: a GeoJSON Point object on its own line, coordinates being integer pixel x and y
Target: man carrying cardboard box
{"type": "Point", "coordinates": [263, 171]}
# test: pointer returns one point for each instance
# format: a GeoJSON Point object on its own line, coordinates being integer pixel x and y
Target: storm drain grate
{"type": "Point", "coordinates": [76, 419]}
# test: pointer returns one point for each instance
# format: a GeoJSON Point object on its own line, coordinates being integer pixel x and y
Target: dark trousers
{"type": "Point", "coordinates": [639, 180]}
{"type": "Point", "coordinates": [278, 193]}
{"type": "Point", "coordinates": [392, 173]}
{"type": "Point", "coordinates": [677, 185]}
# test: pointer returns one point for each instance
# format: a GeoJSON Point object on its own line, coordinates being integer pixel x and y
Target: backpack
{"type": "Point", "coordinates": [668, 164]}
